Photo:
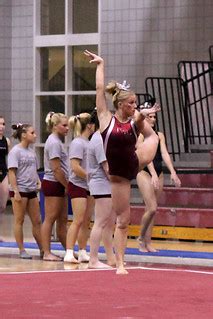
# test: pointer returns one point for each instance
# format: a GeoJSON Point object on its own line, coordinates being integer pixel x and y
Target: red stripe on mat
{"type": "Point", "coordinates": [143, 294]}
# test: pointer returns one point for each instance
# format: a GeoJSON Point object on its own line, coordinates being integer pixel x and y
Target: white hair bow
{"type": "Point", "coordinates": [124, 86]}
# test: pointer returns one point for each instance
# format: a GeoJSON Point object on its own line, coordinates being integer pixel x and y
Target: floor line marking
{"type": "Point", "coordinates": [113, 269]}
{"type": "Point", "coordinates": [62, 270]}
{"type": "Point", "coordinates": [178, 270]}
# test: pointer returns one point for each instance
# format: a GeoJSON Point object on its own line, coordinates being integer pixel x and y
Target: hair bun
{"type": "Point", "coordinates": [49, 116]}
{"type": "Point", "coordinates": [16, 126]}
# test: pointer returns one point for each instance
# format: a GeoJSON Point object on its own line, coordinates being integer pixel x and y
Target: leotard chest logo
{"type": "Point", "coordinates": [121, 130]}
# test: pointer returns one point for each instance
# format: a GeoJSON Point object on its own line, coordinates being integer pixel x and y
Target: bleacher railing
{"type": "Point", "coordinates": [186, 107]}
{"type": "Point", "coordinates": [211, 53]}
{"type": "Point", "coordinates": [142, 98]}
{"type": "Point", "coordinates": [211, 72]}
{"type": "Point", "coordinates": [171, 120]}
{"type": "Point", "coordinates": [197, 84]}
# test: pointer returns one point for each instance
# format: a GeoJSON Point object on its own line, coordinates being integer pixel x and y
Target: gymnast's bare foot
{"type": "Point", "coordinates": [151, 249]}
{"type": "Point", "coordinates": [142, 246]}
{"type": "Point", "coordinates": [121, 270]}
{"type": "Point", "coordinates": [51, 257]}
{"type": "Point", "coordinates": [98, 265]}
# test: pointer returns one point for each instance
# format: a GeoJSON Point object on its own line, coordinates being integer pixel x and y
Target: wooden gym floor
{"type": "Point", "coordinates": [10, 261]}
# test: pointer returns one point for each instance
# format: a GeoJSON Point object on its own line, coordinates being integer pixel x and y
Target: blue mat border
{"type": "Point", "coordinates": [129, 251]}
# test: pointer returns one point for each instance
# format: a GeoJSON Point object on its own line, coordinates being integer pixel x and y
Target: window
{"type": "Point", "coordinates": [83, 73]}
{"type": "Point", "coordinates": [64, 80]}
{"type": "Point", "coordinates": [83, 103]}
{"type": "Point", "coordinates": [52, 17]}
{"type": "Point", "coordinates": [85, 16]}
{"type": "Point", "coordinates": [52, 69]}
{"type": "Point", "coordinates": [49, 103]}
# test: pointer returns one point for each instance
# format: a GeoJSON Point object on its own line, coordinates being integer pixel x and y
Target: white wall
{"type": "Point", "coordinates": [22, 61]}
{"type": "Point", "coordinates": [142, 38]}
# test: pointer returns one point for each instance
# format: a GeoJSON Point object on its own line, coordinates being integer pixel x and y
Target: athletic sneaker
{"type": "Point", "coordinates": [24, 255]}
{"type": "Point", "coordinates": [83, 257]}
{"type": "Point", "coordinates": [69, 257]}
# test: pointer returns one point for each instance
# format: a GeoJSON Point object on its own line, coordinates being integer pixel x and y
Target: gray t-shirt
{"type": "Point", "coordinates": [78, 149]}
{"type": "Point", "coordinates": [97, 179]}
{"type": "Point", "coordinates": [24, 160]}
{"type": "Point", "coordinates": [54, 148]}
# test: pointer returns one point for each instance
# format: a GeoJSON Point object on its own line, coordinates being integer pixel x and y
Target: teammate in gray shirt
{"type": "Point", "coordinates": [54, 184]}
{"type": "Point", "coordinates": [98, 181]}
{"type": "Point", "coordinates": [78, 150]}
{"type": "Point", "coordinates": [54, 148]}
{"type": "Point", "coordinates": [82, 202]}
{"type": "Point", "coordinates": [25, 162]}
{"type": "Point", "coordinates": [24, 184]}
{"type": "Point", "coordinates": [100, 188]}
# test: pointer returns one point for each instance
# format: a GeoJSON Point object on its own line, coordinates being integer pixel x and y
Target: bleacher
{"type": "Point", "coordinates": [186, 121]}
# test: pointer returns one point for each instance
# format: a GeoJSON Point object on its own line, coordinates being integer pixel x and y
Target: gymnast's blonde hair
{"type": "Point", "coordinates": [53, 119]}
{"type": "Point", "coordinates": [78, 123]}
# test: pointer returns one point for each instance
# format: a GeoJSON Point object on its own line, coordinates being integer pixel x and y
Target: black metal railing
{"type": "Point", "coordinates": [211, 72]}
{"type": "Point", "coordinates": [142, 98]}
{"type": "Point", "coordinates": [211, 53]}
{"type": "Point", "coordinates": [186, 106]}
{"type": "Point", "coordinates": [171, 120]}
{"type": "Point", "coordinates": [196, 76]}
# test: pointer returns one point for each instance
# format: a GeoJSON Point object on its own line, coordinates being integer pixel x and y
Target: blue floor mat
{"type": "Point", "coordinates": [129, 251]}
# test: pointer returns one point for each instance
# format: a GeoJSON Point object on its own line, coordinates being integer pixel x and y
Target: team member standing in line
{"type": "Point", "coordinates": [120, 132]}
{"type": "Point", "coordinates": [55, 183]}
{"type": "Point", "coordinates": [4, 148]}
{"type": "Point", "coordinates": [100, 189]}
{"type": "Point", "coordinates": [82, 202]}
{"type": "Point", "coordinates": [24, 184]}
{"type": "Point", "coordinates": [150, 182]}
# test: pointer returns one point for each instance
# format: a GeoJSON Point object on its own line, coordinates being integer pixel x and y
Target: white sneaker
{"type": "Point", "coordinates": [24, 255]}
{"type": "Point", "coordinates": [69, 257]}
{"type": "Point", "coordinates": [83, 257]}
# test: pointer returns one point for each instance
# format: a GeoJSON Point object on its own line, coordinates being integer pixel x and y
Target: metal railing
{"type": "Point", "coordinates": [196, 76]}
{"type": "Point", "coordinates": [186, 107]}
{"type": "Point", "coordinates": [142, 97]}
{"type": "Point", "coordinates": [211, 72]}
{"type": "Point", "coordinates": [211, 53]}
{"type": "Point", "coordinates": [171, 120]}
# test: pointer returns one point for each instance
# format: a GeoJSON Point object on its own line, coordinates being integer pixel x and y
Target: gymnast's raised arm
{"type": "Point", "coordinates": [104, 115]}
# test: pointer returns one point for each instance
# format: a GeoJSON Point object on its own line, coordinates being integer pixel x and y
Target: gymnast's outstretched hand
{"type": "Point", "coordinates": [94, 58]}
{"type": "Point", "coordinates": [146, 111]}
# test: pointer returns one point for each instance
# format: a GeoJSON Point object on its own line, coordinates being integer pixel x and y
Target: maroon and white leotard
{"type": "Point", "coordinates": [119, 145]}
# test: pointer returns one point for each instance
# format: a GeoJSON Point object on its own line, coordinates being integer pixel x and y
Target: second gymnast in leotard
{"type": "Point", "coordinates": [150, 182]}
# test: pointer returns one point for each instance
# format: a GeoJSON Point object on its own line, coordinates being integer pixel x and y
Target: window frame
{"type": "Point", "coordinates": [67, 40]}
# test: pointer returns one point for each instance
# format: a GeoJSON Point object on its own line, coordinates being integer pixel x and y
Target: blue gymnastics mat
{"type": "Point", "coordinates": [129, 251]}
